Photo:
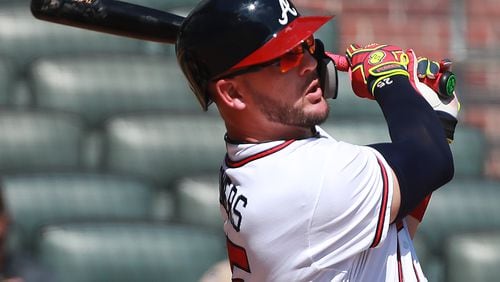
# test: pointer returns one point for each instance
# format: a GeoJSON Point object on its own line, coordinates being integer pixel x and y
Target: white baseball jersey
{"type": "Point", "coordinates": [312, 210]}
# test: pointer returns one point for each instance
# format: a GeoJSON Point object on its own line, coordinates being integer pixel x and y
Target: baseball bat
{"type": "Point", "coordinates": [110, 16]}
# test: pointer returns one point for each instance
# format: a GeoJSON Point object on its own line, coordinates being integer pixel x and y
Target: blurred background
{"type": "Point", "coordinates": [109, 167]}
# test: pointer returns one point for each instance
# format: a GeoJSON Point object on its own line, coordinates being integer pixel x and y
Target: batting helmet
{"type": "Point", "coordinates": [219, 36]}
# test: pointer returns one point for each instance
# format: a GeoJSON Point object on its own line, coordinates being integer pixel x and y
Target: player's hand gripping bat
{"type": "Point", "coordinates": [443, 83]}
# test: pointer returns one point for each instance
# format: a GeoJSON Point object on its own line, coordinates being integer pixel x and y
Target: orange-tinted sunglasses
{"type": "Point", "coordinates": [293, 57]}
{"type": "Point", "coordinates": [286, 62]}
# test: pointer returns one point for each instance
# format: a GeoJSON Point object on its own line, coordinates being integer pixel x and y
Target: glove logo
{"type": "Point", "coordinates": [376, 57]}
{"type": "Point", "coordinates": [285, 8]}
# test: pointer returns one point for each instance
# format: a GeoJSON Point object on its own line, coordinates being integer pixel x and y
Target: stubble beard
{"type": "Point", "coordinates": [291, 115]}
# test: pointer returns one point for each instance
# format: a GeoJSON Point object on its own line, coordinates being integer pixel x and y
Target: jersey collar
{"type": "Point", "coordinates": [239, 154]}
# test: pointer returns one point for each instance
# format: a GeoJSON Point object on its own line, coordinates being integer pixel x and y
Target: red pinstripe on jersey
{"type": "Point", "coordinates": [400, 265]}
{"type": "Point", "coordinates": [383, 207]}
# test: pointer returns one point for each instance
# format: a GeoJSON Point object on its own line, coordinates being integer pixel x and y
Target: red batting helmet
{"type": "Point", "coordinates": [224, 35]}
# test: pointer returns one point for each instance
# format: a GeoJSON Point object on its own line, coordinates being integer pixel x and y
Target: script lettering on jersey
{"type": "Point", "coordinates": [232, 200]}
{"type": "Point", "coordinates": [285, 9]}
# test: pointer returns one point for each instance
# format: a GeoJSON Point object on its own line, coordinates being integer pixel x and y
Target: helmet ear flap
{"type": "Point", "coordinates": [327, 71]}
{"type": "Point", "coordinates": [196, 77]}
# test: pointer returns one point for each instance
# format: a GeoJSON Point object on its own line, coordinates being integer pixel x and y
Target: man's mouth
{"type": "Point", "coordinates": [314, 92]}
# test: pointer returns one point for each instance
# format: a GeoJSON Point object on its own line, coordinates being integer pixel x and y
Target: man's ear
{"type": "Point", "coordinates": [228, 93]}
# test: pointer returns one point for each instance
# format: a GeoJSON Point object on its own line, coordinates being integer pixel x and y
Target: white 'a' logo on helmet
{"type": "Point", "coordinates": [285, 8]}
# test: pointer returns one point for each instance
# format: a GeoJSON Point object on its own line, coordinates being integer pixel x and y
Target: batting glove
{"type": "Point", "coordinates": [436, 83]}
{"type": "Point", "coordinates": [374, 64]}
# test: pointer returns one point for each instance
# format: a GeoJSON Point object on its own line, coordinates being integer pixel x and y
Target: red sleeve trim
{"type": "Point", "coordinates": [383, 206]}
{"type": "Point", "coordinates": [419, 211]}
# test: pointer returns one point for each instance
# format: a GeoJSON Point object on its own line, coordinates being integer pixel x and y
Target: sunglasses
{"type": "Point", "coordinates": [286, 62]}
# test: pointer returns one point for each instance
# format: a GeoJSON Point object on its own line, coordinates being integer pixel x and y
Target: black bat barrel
{"type": "Point", "coordinates": [109, 16]}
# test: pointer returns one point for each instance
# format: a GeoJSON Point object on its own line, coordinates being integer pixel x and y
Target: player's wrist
{"type": "Point", "coordinates": [388, 83]}
{"type": "Point", "coordinates": [380, 81]}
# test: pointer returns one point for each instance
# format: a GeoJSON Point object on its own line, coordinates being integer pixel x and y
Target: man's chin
{"type": "Point", "coordinates": [319, 111]}
{"type": "Point", "coordinates": [316, 115]}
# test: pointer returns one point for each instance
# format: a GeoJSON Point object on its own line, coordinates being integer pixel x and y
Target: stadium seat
{"type": "Point", "coordinates": [34, 200]}
{"type": "Point", "coordinates": [129, 252]}
{"type": "Point", "coordinates": [25, 38]}
{"type": "Point", "coordinates": [197, 200]}
{"type": "Point", "coordinates": [14, 90]}
{"type": "Point", "coordinates": [470, 151]}
{"type": "Point", "coordinates": [164, 146]}
{"type": "Point", "coordinates": [100, 87]}
{"type": "Point", "coordinates": [6, 82]}
{"type": "Point", "coordinates": [473, 257]}
{"type": "Point", "coordinates": [39, 140]}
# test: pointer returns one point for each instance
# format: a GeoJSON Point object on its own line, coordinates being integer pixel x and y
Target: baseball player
{"type": "Point", "coordinates": [297, 204]}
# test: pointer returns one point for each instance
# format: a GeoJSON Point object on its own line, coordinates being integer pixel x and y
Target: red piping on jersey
{"type": "Point", "coordinates": [383, 208]}
{"type": "Point", "coordinates": [238, 256]}
{"type": "Point", "coordinates": [400, 266]}
{"type": "Point", "coordinates": [416, 272]}
{"type": "Point", "coordinates": [233, 164]}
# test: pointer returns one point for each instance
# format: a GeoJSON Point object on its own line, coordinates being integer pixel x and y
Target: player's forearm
{"type": "Point", "coordinates": [419, 153]}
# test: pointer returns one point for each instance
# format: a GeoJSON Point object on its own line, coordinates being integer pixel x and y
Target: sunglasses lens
{"type": "Point", "coordinates": [294, 56]}
{"type": "Point", "coordinates": [290, 60]}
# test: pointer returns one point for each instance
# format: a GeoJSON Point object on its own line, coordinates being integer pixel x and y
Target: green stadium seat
{"type": "Point", "coordinates": [35, 200]}
{"type": "Point", "coordinates": [14, 90]}
{"type": "Point", "coordinates": [473, 257]}
{"type": "Point", "coordinates": [24, 38]}
{"type": "Point", "coordinates": [39, 140]}
{"type": "Point", "coordinates": [164, 146]}
{"type": "Point", "coordinates": [6, 81]}
{"type": "Point", "coordinates": [129, 252]}
{"type": "Point", "coordinates": [100, 87]}
{"type": "Point", "coordinates": [197, 200]}
{"type": "Point", "coordinates": [470, 151]}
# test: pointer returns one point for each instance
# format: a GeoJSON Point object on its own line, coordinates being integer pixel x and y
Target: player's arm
{"type": "Point", "coordinates": [436, 82]}
{"type": "Point", "coordinates": [419, 155]}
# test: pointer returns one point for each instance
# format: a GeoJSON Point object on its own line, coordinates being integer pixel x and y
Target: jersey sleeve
{"type": "Point", "coordinates": [352, 210]}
